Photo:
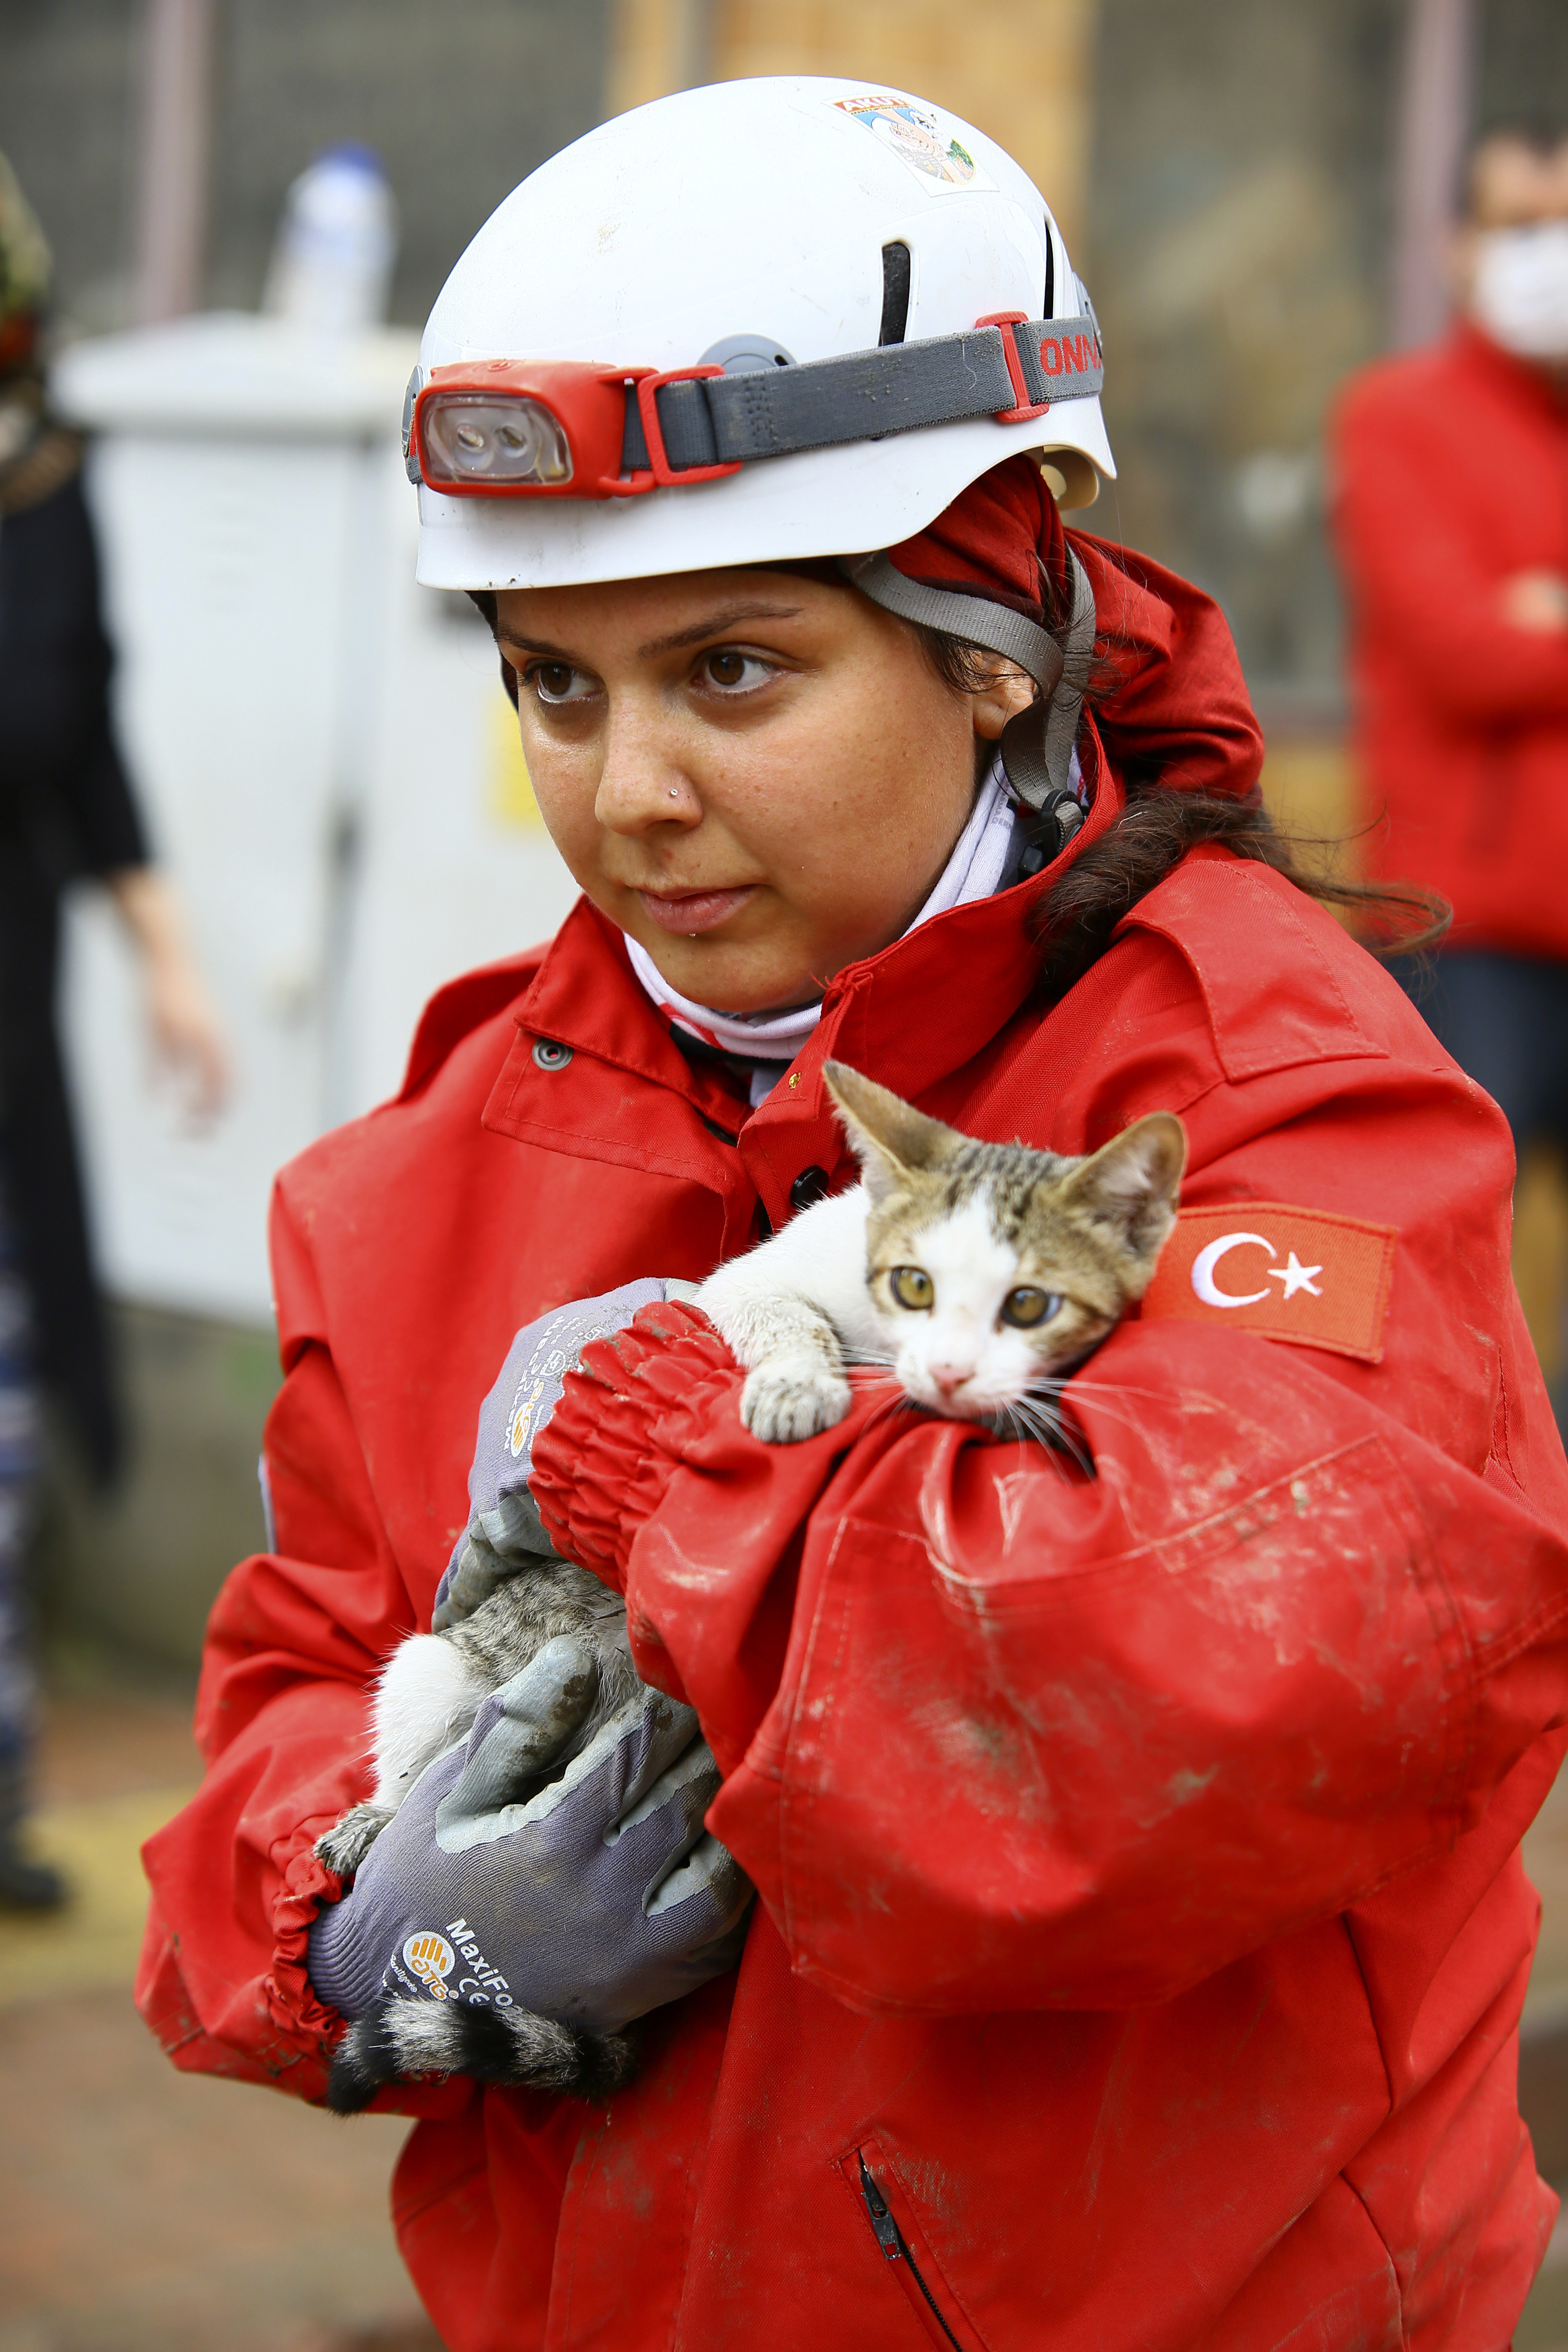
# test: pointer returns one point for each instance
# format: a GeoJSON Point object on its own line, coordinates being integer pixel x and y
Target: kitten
{"type": "Point", "coordinates": [979, 1275]}
{"type": "Point", "coordinates": [426, 1699]}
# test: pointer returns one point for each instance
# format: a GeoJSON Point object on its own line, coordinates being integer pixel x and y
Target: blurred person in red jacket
{"type": "Point", "coordinates": [1141, 1931]}
{"type": "Point", "coordinates": [1451, 513]}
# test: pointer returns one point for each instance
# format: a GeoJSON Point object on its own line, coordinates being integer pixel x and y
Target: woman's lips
{"type": "Point", "coordinates": [694, 910]}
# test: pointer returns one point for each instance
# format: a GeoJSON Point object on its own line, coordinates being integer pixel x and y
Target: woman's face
{"type": "Point", "coordinates": [754, 774]}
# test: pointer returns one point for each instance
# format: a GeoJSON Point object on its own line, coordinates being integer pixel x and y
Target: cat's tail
{"type": "Point", "coordinates": [400, 2037]}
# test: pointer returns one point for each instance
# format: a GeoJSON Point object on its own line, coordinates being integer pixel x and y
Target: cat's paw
{"type": "Point", "coordinates": [344, 1847]}
{"type": "Point", "coordinates": [399, 2037]}
{"type": "Point", "coordinates": [783, 1407]}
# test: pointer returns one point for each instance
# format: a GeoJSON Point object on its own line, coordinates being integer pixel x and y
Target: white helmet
{"type": "Point", "coordinates": [756, 322]}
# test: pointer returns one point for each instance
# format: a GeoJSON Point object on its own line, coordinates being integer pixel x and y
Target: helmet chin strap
{"type": "Point", "coordinates": [1037, 743]}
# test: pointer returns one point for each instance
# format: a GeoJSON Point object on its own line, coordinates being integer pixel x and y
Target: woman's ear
{"type": "Point", "coordinates": [1010, 690]}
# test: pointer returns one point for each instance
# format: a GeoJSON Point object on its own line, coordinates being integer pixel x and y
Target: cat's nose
{"type": "Point", "coordinates": [948, 1377]}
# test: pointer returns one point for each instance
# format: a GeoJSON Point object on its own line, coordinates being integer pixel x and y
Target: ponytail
{"type": "Point", "coordinates": [1147, 839]}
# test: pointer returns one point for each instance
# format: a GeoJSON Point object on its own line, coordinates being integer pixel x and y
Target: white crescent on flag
{"type": "Point", "coordinates": [1208, 1258]}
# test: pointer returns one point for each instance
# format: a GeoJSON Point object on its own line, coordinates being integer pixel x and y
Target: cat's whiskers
{"type": "Point", "coordinates": [1059, 1405]}
{"type": "Point", "coordinates": [1105, 1411]}
{"type": "Point", "coordinates": [897, 1400]}
{"type": "Point", "coordinates": [1072, 1384]}
{"type": "Point", "coordinates": [1050, 1430]}
{"type": "Point", "coordinates": [1054, 1456]}
{"type": "Point", "coordinates": [1007, 1421]}
{"type": "Point", "coordinates": [1052, 1397]}
{"type": "Point", "coordinates": [1111, 1388]}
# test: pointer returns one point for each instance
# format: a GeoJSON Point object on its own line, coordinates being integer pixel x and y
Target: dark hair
{"type": "Point", "coordinates": [483, 600]}
{"type": "Point", "coordinates": [1154, 832]}
{"type": "Point", "coordinates": [1539, 135]}
{"type": "Point", "coordinates": [1541, 132]}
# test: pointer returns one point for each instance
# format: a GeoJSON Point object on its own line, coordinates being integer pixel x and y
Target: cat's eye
{"type": "Point", "coordinates": [912, 1286]}
{"type": "Point", "coordinates": [1026, 1305]}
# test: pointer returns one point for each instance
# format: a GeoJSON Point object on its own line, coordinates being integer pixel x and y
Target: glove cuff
{"type": "Point", "coordinates": [345, 1972]}
{"type": "Point", "coordinates": [609, 1450]}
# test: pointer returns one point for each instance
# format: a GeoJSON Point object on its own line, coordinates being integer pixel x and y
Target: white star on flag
{"type": "Point", "coordinates": [1296, 1277]}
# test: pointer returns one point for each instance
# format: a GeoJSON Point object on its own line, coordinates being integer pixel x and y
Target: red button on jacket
{"type": "Point", "coordinates": [1142, 1932]}
{"type": "Point", "coordinates": [1450, 473]}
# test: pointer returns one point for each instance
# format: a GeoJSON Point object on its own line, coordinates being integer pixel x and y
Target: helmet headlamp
{"type": "Point", "coordinates": [571, 429]}
{"type": "Point", "coordinates": [506, 428]}
{"type": "Point", "coordinates": [513, 443]}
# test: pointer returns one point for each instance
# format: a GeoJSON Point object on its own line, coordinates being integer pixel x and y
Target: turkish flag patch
{"type": "Point", "coordinates": [1292, 1273]}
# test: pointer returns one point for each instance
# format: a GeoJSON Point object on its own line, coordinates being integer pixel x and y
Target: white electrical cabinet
{"type": "Point", "coordinates": [326, 763]}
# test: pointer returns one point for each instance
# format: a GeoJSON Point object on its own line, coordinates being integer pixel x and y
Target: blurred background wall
{"type": "Point", "coordinates": [460, 102]}
{"type": "Point", "coordinates": [1252, 189]}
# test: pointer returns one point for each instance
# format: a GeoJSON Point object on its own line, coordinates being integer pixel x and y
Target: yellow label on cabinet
{"type": "Point", "coordinates": [510, 796]}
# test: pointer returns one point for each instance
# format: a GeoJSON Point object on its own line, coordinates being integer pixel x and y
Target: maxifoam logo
{"type": "Point", "coordinates": [522, 1417]}
{"type": "Point", "coordinates": [430, 1957]}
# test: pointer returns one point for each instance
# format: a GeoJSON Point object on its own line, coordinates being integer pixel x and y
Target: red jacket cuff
{"type": "Point", "coordinates": [291, 1998]}
{"type": "Point", "coordinates": [603, 1459]}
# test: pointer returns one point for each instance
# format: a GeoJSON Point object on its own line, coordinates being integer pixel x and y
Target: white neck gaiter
{"type": "Point", "coordinates": [974, 871]}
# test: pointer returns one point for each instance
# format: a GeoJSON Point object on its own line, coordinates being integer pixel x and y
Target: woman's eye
{"type": "Point", "coordinates": [912, 1286]}
{"type": "Point", "coordinates": [1027, 1306]}
{"type": "Point", "coordinates": [558, 682]}
{"type": "Point", "coordinates": [735, 673]}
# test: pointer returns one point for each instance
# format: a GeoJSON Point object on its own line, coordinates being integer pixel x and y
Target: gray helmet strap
{"type": "Point", "coordinates": [1036, 745]}
{"type": "Point", "coordinates": [1064, 713]}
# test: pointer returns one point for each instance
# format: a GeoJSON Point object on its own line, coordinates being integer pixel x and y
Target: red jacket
{"type": "Point", "coordinates": [1140, 1900]}
{"type": "Point", "coordinates": [1450, 471]}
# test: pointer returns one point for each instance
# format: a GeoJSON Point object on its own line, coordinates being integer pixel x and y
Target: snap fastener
{"type": "Point", "coordinates": [549, 1056]}
{"type": "Point", "coordinates": [810, 1185]}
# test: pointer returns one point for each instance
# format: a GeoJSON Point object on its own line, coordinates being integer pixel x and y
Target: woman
{"type": "Point", "coordinates": [1142, 1932]}
{"type": "Point", "coordinates": [65, 812]}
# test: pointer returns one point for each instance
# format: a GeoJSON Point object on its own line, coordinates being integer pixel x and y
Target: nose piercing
{"type": "Point", "coordinates": [675, 791]}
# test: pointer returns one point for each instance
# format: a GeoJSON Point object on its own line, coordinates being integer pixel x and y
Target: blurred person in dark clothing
{"type": "Point", "coordinates": [66, 810]}
{"type": "Point", "coordinates": [1451, 513]}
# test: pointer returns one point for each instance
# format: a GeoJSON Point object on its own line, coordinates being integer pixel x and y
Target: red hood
{"type": "Point", "coordinates": [1171, 703]}
{"type": "Point", "coordinates": [1174, 705]}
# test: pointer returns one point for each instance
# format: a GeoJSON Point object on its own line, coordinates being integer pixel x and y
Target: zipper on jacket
{"type": "Point", "coordinates": [891, 2238]}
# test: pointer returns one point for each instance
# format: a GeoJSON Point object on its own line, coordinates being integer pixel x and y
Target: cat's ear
{"type": "Point", "coordinates": [1132, 1184]}
{"type": "Point", "coordinates": [889, 1137]}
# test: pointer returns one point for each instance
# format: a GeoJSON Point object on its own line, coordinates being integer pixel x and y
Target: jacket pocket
{"type": "Point", "coordinates": [892, 2228]}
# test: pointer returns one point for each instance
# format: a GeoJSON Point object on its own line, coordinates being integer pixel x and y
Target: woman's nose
{"type": "Point", "coordinates": [644, 782]}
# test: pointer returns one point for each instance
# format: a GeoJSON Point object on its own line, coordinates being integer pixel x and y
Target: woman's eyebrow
{"type": "Point", "coordinates": [729, 616]}
{"type": "Point", "coordinates": [533, 645]}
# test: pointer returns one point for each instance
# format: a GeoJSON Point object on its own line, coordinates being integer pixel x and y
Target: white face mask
{"type": "Point", "coordinates": [1520, 294]}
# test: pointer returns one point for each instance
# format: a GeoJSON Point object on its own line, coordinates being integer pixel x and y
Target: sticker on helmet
{"type": "Point", "coordinates": [914, 134]}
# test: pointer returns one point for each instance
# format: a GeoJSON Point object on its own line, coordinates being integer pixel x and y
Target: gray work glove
{"type": "Point", "coordinates": [504, 1532]}
{"type": "Point", "coordinates": [597, 1900]}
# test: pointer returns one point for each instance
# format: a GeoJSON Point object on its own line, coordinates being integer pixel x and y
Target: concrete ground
{"type": "Point", "coordinates": [146, 2211]}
